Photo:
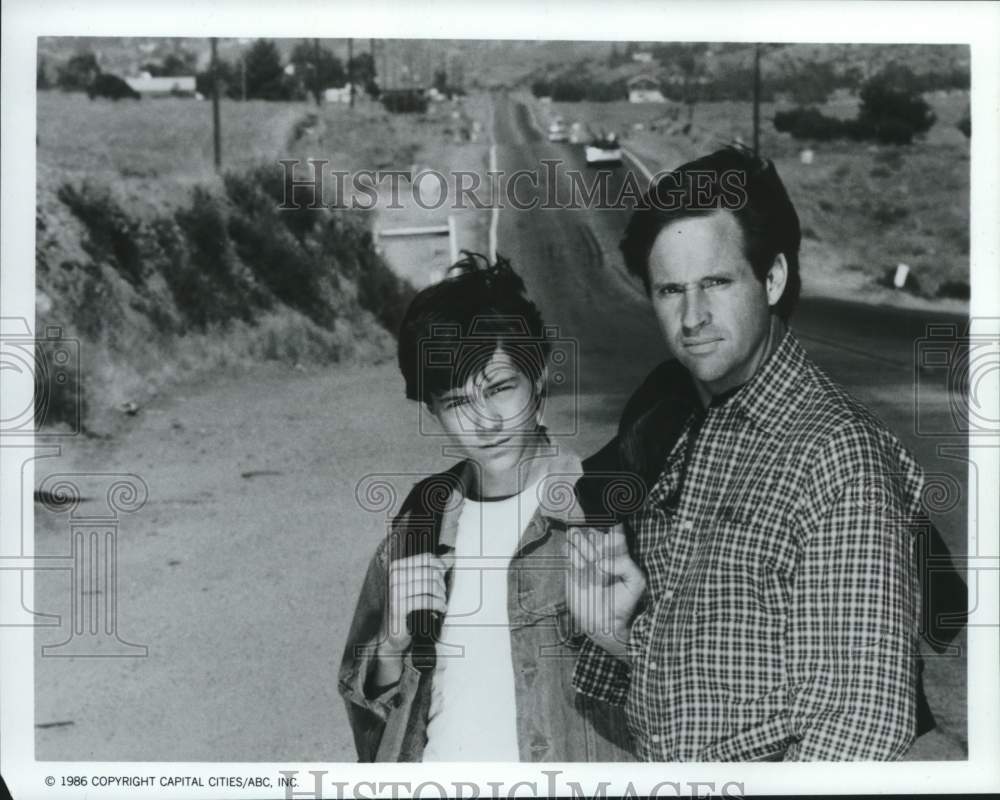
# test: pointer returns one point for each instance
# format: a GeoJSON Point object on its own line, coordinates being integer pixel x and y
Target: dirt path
{"type": "Point", "coordinates": [239, 573]}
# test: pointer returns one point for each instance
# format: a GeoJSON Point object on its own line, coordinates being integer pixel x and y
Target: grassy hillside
{"type": "Point", "coordinates": [164, 270]}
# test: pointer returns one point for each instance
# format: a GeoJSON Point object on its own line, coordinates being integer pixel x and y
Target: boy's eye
{"type": "Point", "coordinates": [662, 291]}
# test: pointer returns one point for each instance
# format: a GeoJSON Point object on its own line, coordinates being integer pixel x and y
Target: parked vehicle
{"type": "Point", "coordinates": [603, 149]}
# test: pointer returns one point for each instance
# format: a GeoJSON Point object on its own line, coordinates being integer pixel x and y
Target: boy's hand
{"type": "Point", "coordinates": [415, 583]}
{"type": "Point", "coordinates": [604, 585]}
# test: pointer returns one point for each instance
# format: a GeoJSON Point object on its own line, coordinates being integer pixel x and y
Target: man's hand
{"type": "Point", "coordinates": [604, 586]}
{"type": "Point", "coordinates": [415, 583]}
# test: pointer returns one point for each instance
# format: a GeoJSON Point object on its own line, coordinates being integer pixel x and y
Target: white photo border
{"type": "Point", "coordinates": [975, 24]}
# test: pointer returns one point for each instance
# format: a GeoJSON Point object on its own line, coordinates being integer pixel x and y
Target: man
{"type": "Point", "coordinates": [769, 606]}
{"type": "Point", "coordinates": [475, 559]}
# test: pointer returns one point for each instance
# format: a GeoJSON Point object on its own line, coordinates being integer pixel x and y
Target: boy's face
{"type": "Point", "coordinates": [493, 415]}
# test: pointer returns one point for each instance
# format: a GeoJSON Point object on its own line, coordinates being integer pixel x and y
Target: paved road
{"type": "Point", "coordinates": [571, 264]}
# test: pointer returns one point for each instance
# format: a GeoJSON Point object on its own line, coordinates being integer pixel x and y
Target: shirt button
{"type": "Point", "coordinates": [656, 738]}
{"type": "Point", "coordinates": [653, 665]}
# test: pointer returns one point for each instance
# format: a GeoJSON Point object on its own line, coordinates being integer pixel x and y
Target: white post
{"type": "Point", "coordinates": [452, 240]}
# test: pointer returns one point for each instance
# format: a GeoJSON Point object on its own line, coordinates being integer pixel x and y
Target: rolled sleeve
{"type": "Point", "coordinates": [600, 675]}
{"type": "Point", "coordinates": [367, 712]}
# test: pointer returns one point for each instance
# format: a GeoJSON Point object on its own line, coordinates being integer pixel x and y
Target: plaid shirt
{"type": "Point", "coordinates": [782, 611]}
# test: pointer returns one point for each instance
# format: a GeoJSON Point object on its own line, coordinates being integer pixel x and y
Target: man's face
{"type": "Point", "coordinates": [712, 309]}
{"type": "Point", "coordinates": [492, 415]}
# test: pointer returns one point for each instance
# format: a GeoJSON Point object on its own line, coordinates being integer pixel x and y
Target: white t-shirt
{"type": "Point", "coordinates": [473, 708]}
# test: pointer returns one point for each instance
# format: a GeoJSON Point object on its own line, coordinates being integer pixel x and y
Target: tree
{"type": "Point", "coordinates": [42, 80]}
{"type": "Point", "coordinates": [78, 72]}
{"type": "Point", "coordinates": [307, 57]}
{"type": "Point", "coordinates": [179, 62]}
{"type": "Point", "coordinates": [441, 81]}
{"type": "Point", "coordinates": [230, 81]}
{"type": "Point", "coordinates": [361, 71]}
{"type": "Point", "coordinates": [265, 74]}
{"type": "Point", "coordinates": [892, 109]}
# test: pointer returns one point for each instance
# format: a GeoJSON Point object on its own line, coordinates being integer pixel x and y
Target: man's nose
{"type": "Point", "coordinates": [695, 313]}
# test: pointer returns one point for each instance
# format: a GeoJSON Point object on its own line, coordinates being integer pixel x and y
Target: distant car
{"type": "Point", "coordinates": [558, 132]}
{"type": "Point", "coordinates": [603, 150]}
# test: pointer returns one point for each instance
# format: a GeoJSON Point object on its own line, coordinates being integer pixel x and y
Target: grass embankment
{"type": "Point", "coordinates": [863, 207]}
{"type": "Point", "coordinates": [171, 274]}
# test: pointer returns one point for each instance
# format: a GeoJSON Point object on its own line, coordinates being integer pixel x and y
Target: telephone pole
{"type": "Point", "coordinates": [317, 77]}
{"type": "Point", "coordinates": [216, 133]}
{"type": "Point", "coordinates": [756, 99]}
{"type": "Point", "coordinates": [350, 69]}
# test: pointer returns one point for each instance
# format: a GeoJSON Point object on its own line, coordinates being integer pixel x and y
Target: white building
{"type": "Point", "coordinates": [644, 89]}
{"type": "Point", "coordinates": [340, 94]}
{"type": "Point", "coordinates": [148, 86]}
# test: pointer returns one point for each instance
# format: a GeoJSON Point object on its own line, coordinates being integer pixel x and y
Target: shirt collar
{"type": "Point", "coordinates": [776, 388]}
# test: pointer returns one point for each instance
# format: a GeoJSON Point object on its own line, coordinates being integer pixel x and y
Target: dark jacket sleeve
{"type": "Point", "coordinates": [650, 424]}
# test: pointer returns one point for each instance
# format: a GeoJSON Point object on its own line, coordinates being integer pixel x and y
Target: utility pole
{"type": "Point", "coordinates": [317, 78]}
{"type": "Point", "coordinates": [350, 69]}
{"type": "Point", "coordinates": [756, 99]}
{"type": "Point", "coordinates": [216, 134]}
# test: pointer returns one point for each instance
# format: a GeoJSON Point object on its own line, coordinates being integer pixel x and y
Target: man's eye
{"type": "Point", "coordinates": [666, 290]}
{"type": "Point", "coordinates": [455, 403]}
{"type": "Point", "coordinates": [709, 283]}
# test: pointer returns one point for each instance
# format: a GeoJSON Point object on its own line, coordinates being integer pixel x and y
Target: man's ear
{"type": "Point", "coordinates": [777, 277]}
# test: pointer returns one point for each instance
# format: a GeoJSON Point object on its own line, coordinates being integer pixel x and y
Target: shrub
{"type": "Point", "coordinates": [809, 123]}
{"type": "Point", "coordinates": [965, 124]}
{"type": "Point", "coordinates": [959, 290]}
{"type": "Point", "coordinates": [404, 101]}
{"type": "Point", "coordinates": [892, 110]}
{"type": "Point", "coordinates": [113, 235]}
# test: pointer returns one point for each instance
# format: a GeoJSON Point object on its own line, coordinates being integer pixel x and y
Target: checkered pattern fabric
{"type": "Point", "coordinates": [782, 611]}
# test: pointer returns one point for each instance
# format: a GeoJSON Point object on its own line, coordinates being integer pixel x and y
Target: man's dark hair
{"type": "Point", "coordinates": [452, 328]}
{"type": "Point", "coordinates": [732, 179]}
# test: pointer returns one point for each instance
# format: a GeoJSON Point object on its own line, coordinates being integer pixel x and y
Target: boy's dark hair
{"type": "Point", "coordinates": [452, 328]}
{"type": "Point", "coordinates": [732, 179]}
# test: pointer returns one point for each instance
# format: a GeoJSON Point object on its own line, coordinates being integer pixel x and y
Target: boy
{"type": "Point", "coordinates": [475, 560]}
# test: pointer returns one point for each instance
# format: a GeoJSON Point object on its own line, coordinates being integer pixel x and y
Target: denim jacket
{"type": "Point", "coordinates": [554, 722]}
